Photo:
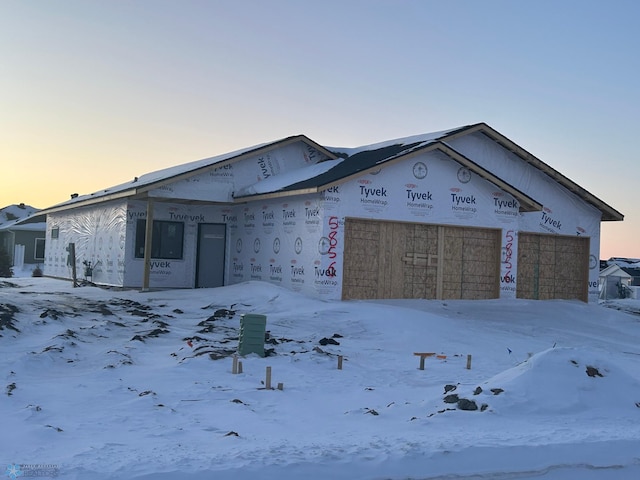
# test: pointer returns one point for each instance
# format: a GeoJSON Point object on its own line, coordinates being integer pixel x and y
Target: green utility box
{"type": "Point", "coordinates": [252, 334]}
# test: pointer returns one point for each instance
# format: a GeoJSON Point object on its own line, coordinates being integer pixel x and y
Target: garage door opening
{"type": "Point", "coordinates": [552, 267]}
{"type": "Point", "coordinates": [410, 260]}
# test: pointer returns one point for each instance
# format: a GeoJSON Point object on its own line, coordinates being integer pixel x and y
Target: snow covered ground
{"type": "Point", "coordinates": [112, 384]}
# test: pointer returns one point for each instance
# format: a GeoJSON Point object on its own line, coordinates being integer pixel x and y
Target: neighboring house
{"type": "Point", "coordinates": [614, 283]}
{"type": "Point", "coordinates": [464, 213]}
{"type": "Point", "coordinates": [631, 266]}
{"type": "Point", "coordinates": [22, 235]}
{"type": "Point", "coordinates": [635, 275]}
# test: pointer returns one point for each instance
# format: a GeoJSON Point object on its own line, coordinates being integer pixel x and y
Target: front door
{"type": "Point", "coordinates": [211, 248]}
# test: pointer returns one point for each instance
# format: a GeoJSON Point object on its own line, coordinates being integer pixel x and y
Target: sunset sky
{"type": "Point", "coordinates": [93, 93]}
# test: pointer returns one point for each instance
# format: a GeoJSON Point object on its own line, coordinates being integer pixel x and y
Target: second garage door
{"type": "Point", "coordinates": [552, 267]}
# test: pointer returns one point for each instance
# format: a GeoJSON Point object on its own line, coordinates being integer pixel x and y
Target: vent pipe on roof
{"type": "Point", "coordinates": [74, 195]}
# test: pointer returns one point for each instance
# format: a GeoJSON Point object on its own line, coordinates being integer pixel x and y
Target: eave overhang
{"type": "Point", "coordinates": [142, 192]}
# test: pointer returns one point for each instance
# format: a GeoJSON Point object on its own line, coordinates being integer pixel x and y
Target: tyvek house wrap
{"type": "Point", "coordinates": [563, 214]}
{"type": "Point", "coordinates": [250, 227]}
{"type": "Point", "coordinates": [276, 241]}
{"type": "Point", "coordinates": [429, 188]}
{"type": "Point", "coordinates": [298, 241]}
{"type": "Point", "coordinates": [219, 184]}
{"type": "Point", "coordinates": [168, 273]}
{"type": "Point", "coordinates": [448, 194]}
{"type": "Point", "coordinates": [98, 233]}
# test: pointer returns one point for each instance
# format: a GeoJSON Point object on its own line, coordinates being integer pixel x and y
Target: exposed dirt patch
{"type": "Point", "coordinates": [7, 317]}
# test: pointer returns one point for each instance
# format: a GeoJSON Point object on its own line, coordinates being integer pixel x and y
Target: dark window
{"type": "Point", "coordinates": [55, 232]}
{"type": "Point", "coordinates": [39, 253]}
{"type": "Point", "coordinates": [167, 239]}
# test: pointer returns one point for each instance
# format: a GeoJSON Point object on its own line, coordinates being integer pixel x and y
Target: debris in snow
{"type": "Point", "coordinates": [222, 313]}
{"type": "Point", "coordinates": [52, 313]}
{"type": "Point", "coordinates": [7, 316]}
{"type": "Point", "coordinates": [442, 411]}
{"type": "Point", "coordinates": [593, 372]}
{"type": "Point", "coordinates": [220, 354]}
{"type": "Point", "coordinates": [328, 341]}
{"type": "Point", "coordinates": [123, 361]}
{"type": "Point", "coordinates": [269, 339]}
{"type": "Point", "coordinates": [207, 325]}
{"type": "Point", "coordinates": [68, 334]}
{"type": "Point", "coordinates": [53, 348]}
{"type": "Point", "coordinates": [449, 388]}
{"type": "Point", "coordinates": [153, 333]}
{"type": "Point", "coordinates": [102, 309]}
{"type": "Point", "coordinates": [453, 398]}
{"type": "Point", "coordinates": [464, 404]}
{"type": "Point", "coordinates": [10, 388]}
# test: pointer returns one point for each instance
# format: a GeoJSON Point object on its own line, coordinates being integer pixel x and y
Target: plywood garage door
{"type": "Point", "coordinates": [408, 260]}
{"type": "Point", "coordinates": [471, 263]}
{"type": "Point", "coordinates": [552, 267]}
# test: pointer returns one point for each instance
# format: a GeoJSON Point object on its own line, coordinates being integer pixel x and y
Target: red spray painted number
{"type": "Point", "coordinates": [333, 243]}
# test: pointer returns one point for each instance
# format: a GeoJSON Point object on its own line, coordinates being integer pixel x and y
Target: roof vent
{"type": "Point", "coordinates": [74, 195]}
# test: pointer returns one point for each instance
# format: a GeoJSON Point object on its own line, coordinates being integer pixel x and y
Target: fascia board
{"type": "Point", "coordinates": [91, 201]}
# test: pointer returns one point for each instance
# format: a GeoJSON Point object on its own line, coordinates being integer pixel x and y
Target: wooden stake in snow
{"type": "Point", "coordinates": [280, 386]}
{"type": "Point", "coordinates": [468, 362]}
{"type": "Point", "coordinates": [422, 356]}
{"type": "Point", "coordinates": [267, 382]}
{"type": "Point", "coordinates": [71, 261]}
{"type": "Point", "coordinates": [339, 362]}
{"type": "Point", "coordinates": [234, 368]}
{"type": "Point", "coordinates": [239, 367]}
